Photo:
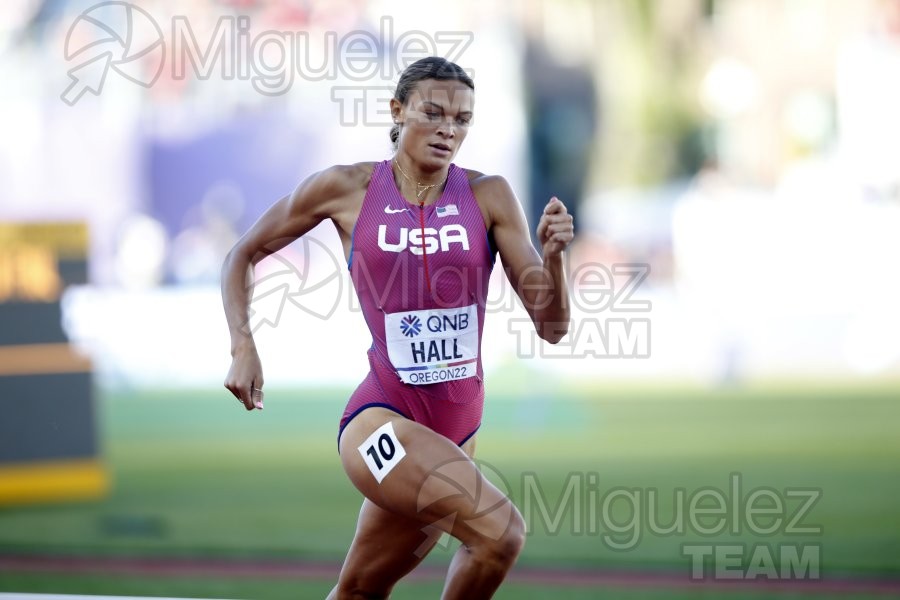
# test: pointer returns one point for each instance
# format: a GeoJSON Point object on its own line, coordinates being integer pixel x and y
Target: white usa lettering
{"type": "Point", "coordinates": [433, 240]}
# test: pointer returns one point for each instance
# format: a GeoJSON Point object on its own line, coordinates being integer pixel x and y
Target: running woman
{"type": "Point", "coordinates": [420, 236]}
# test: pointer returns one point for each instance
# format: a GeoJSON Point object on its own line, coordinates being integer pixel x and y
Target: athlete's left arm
{"type": "Point", "coordinates": [539, 281]}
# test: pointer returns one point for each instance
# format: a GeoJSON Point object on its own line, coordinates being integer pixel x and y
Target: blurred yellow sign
{"type": "Point", "coordinates": [30, 255]}
{"type": "Point", "coordinates": [29, 273]}
{"type": "Point", "coordinates": [67, 240]}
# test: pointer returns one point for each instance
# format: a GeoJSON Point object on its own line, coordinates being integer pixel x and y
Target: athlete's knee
{"type": "Point", "coordinates": [512, 541]}
{"type": "Point", "coordinates": [362, 586]}
{"type": "Point", "coordinates": [502, 547]}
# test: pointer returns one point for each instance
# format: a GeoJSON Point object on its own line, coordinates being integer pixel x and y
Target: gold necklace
{"type": "Point", "coordinates": [424, 187]}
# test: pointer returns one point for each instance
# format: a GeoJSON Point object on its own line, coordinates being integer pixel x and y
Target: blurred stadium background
{"type": "Point", "coordinates": [744, 153]}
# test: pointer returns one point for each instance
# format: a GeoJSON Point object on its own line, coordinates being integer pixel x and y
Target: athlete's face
{"type": "Point", "coordinates": [434, 121]}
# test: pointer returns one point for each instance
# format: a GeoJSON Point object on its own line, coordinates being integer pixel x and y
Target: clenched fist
{"type": "Point", "coordinates": [555, 231]}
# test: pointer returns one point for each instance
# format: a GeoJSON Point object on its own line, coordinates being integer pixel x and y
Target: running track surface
{"type": "Point", "coordinates": [329, 571]}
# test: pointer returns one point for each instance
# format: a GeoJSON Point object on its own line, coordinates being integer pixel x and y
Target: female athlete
{"type": "Point", "coordinates": [420, 235]}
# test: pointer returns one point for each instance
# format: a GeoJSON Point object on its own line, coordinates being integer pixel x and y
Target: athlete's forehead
{"type": "Point", "coordinates": [450, 97]}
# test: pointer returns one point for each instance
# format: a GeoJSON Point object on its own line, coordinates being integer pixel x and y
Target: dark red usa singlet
{"type": "Point", "coordinates": [421, 274]}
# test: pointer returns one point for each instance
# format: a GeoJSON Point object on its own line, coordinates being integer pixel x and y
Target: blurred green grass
{"type": "Point", "coordinates": [268, 589]}
{"type": "Point", "coordinates": [193, 475]}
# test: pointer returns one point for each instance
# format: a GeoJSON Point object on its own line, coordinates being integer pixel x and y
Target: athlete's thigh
{"type": "Point", "coordinates": [387, 546]}
{"type": "Point", "coordinates": [415, 473]}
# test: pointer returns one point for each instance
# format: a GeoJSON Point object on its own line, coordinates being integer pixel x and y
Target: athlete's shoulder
{"type": "Point", "coordinates": [345, 179]}
{"type": "Point", "coordinates": [488, 185]}
{"type": "Point", "coordinates": [491, 190]}
{"type": "Point", "coordinates": [494, 195]}
{"type": "Point", "coordinates": [331, 191]}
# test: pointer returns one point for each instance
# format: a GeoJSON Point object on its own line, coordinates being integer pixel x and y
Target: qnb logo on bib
{"type": "Point", "coordinates": [444, 346]}
{"type": "Point", "coordinates": [411, 326]}
{"type": "Point", "coordinates": [435, 240]}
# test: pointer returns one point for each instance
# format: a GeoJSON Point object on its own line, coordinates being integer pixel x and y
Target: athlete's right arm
{"type": "Point", "coordinates": [318, 197]}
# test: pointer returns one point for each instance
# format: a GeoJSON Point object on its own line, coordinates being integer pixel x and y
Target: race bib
{"type": "Point", "coordinates": [435, 345]}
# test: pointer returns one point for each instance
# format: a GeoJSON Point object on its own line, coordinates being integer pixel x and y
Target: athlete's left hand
{"type": "Point", "coordinates": [555, 231]}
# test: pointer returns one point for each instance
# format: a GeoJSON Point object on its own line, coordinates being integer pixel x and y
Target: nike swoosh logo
{"type": "Point", "coordinates": [393, 211]}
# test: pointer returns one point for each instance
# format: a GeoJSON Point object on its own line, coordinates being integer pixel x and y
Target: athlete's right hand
{"type": "Point", "coordinates": [245, 378]}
